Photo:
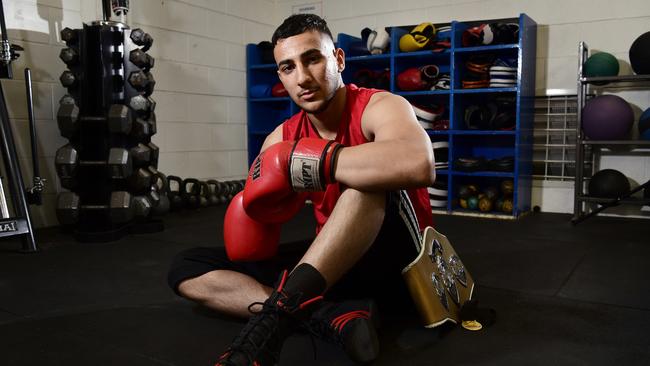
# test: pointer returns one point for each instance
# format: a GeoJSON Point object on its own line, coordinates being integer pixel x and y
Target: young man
{"type": "Point", "coordinates": [363, 160]}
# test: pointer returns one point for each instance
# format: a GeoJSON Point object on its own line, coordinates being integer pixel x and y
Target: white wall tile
{"type": "Point", "coordinates": [237, 111]}
{"type": "Point", "coordinates": [33, 57]}
{"type": "Point", "coordinates": [218, 5]}
{"type": "Point", "coordinates": [257, 10]}
{"type": "Point", "coordinates": [225, 27]}
{"type": "Point", "coordinates": [177, 77]}
{"type": "Point", "coordinates": [601, 35]}
{"type": "Point", "coordinates": [227, 82]}
{"type": "Point", "coordinates": [171, 106]}
{"type": "Point", "coordinates": [236, 57]}
{"type": "Point", "coordinates": [352, 26]}
{"type": "Point", "coordinates": [208, 164]}
{"type": "Point", "coordinates": [26, 20]}
{"type": "Point", "coordinates": [17, 101]}
{"type": "Point", "coordinates": [238, 164]}
{"type": "Point", "coordinates": [207, 109]}
{"type": "Point", "coordinates": [335, 9]}
{"type": "Point", "coordinates": [229, 137]}
{"type": "Point", "coordinates": [208, 52]}
{"type": "Point", "coordinates": [167, 45]}
{"type": "Point", "coordinates": [255, 32]}
{"type": "Point", "coordinates": [407, 17]}
{"type": "Point", "coordinates": [561, 73]}
{"type": "Point", "coordinates": [186, 136]}
{"type": "Point", "coordinates": [174, 163]}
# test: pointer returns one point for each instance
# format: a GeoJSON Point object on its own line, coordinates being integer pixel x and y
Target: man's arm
{"type": "Point", "coordinates": [399, 155]}
{"type": "Point", "coordinates": [273, 138]}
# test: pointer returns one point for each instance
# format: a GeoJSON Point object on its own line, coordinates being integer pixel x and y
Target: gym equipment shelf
{"type": "Point", "coordinates": [264, 117]}
{"type": "Point", "coordinates": [581, 199]}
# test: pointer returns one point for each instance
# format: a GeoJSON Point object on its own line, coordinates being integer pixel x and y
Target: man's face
{"type": "Point", "coordinates": [309, 67]}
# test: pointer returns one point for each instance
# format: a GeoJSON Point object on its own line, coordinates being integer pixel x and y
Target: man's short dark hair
{"type": "Point", "coordinates": [298, 24]}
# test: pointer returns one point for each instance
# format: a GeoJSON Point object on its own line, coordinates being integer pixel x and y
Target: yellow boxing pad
{"type": "Point", "coordinates": [418, 38]}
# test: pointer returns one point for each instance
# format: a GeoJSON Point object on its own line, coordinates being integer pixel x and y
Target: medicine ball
{"type": "Point", "coordinates": [640, 54]}
{"type": "Point", "coordinates": [644, 125]}
{"type": "Point", "coordinates": [601, 64]}
{"type": "Point", "coordinates": [608, 117]}
{"type": "Point", "coordinates": [608, 183]}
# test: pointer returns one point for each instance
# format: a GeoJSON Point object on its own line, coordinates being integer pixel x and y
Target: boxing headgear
{"type": "Point", "coordinates": [378, 41]}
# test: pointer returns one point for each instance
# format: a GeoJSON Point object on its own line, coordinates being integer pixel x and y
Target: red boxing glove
{"type": "Point", "coordinates": [284, 169]}
{"type": "Point", "coordinates": [268, 196]}
{"type": "Point", "coordinates": [245, 238]}
{"type": "Point", "coordinates": [312, 164]}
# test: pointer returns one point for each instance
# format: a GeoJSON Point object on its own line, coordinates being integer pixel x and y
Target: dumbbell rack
{"type": "Point", "coordinates": [108, 116]}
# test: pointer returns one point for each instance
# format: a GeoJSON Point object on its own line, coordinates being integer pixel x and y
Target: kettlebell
{"type": "Point", "coordinates": [174, 193]}
{"type": "Point", "coordinates": [213, 198]}
{"type": "Point", "coordinates": [161, 187]}
{"type": "Point", "coordinates": [190, 192]}
{"type": "Point", "coordinates": [204, 194]}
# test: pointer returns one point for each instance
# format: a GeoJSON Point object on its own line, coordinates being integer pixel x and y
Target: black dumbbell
{"type": "Point", "coordinates": [140, 180]}
{"type": "Point", "coordinates": [141, 59]}
{"type": "Point", "coordinates": [140, 81]}
{"type": "Point", "coordinates": [140, 38]}
{"type": "Point", "coordinates": [69, 35]}
{"type": "Point", "coordinates": [120, 208]}
{"type": "Point", "coordinates": [68, 79]}
{"type": "Point", "coordinates": [174, 193]}
{"type": "Point", "coordinates": [141, 154]}
{"type": "Point", "coordinates": [119, 118]}
{"type": "Point", "coordinates": [69, 56]}
{"type": "Point", "coordinates": [118, 165]}
{"type": "Point", "coordinates": [141, 128]}
{"type": "Point", "coordinates": [142, 105]}
{"type": "Point", "coordinates": [191, 192]}
{"type": "Point", "coordinates": [142, 207]}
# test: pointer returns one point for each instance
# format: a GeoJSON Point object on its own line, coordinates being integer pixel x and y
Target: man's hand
{"type": "Point", "coordinates": [245, 238]}
{"type": "Point", "coordinates": [280, 174]}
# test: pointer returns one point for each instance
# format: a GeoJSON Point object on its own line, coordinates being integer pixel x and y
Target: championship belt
{"type": "Point", "coordinates": [438, 281]}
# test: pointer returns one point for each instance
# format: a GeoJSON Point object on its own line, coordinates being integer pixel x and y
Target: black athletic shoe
{"type": "Point", "coordinates": [260, 342]}
{"type": "Point", "coordinates": [352, 324]}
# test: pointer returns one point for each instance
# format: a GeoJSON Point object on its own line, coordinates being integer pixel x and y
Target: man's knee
{"type": "Point", "coordinates": [192, 263]}
{"type": "Point", "coordinates": [369, 205]}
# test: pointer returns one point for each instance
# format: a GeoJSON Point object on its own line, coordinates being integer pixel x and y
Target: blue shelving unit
{"type": "Point", "coordinates": [264, 114]}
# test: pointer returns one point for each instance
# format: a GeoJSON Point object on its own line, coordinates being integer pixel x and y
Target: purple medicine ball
{"type": "Point", "coordinates": [607, 117]}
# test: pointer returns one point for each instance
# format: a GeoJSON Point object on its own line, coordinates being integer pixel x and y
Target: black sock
{"type": "Point", "coordinates": [307, 280]}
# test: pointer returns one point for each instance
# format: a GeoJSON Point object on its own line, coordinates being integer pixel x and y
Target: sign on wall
{"type": "Point", "coordinates": [312, 8]}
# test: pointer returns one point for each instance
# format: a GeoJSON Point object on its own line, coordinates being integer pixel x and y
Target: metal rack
{"type": "Point", "coordinates": [582, 201]}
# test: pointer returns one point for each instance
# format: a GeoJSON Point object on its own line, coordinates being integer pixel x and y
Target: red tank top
{"type": "Point", "coordinates": [348, 134]}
